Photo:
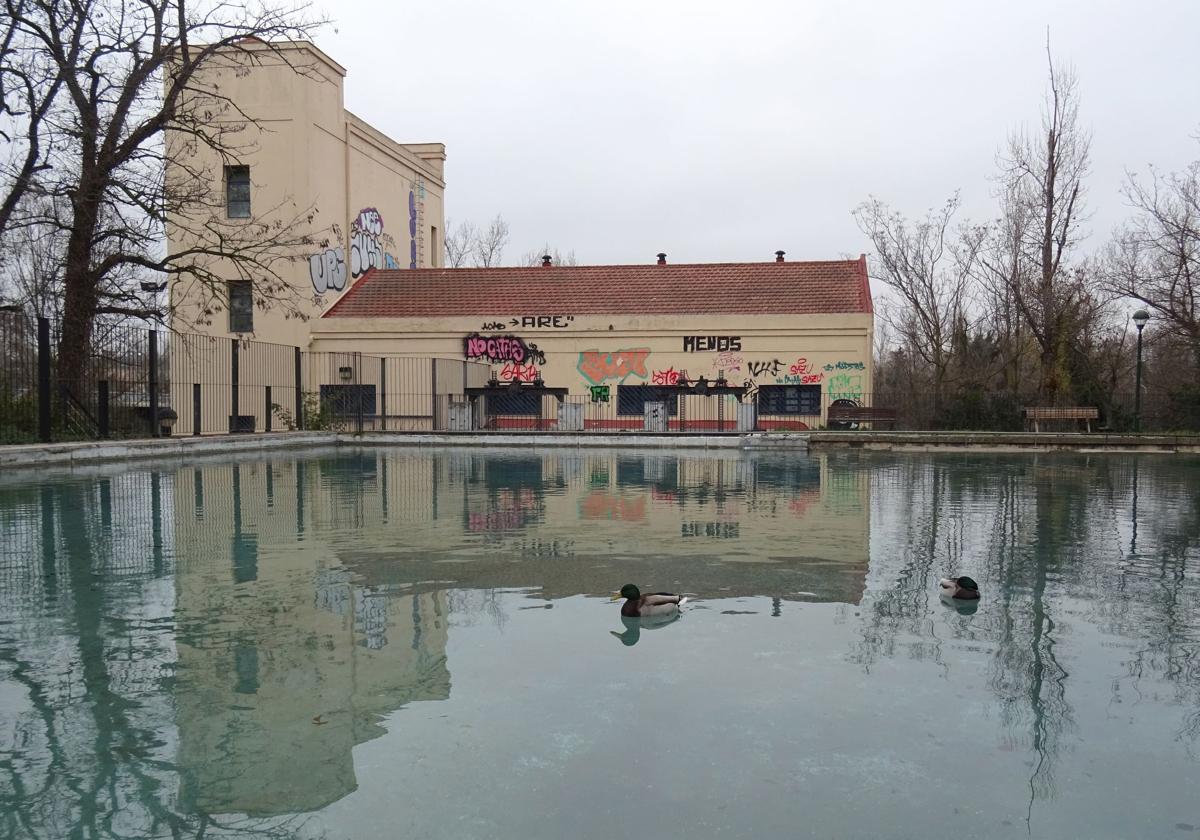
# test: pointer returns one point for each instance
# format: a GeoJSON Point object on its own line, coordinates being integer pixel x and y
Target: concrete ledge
{"type": "Point", "coordinates": [535, 440]}
{"type": "Point", "coordinates": [1002, 441]}
{"type": "Point", "coordinates": [60, 454]}
{"type": "Point", "coordinates": [33, 456]}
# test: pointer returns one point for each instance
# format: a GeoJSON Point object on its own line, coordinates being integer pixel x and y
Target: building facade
{"type": "Point", "coordinates": [794, 336]}
{"type": "Point", "coordinates": [304, 164]}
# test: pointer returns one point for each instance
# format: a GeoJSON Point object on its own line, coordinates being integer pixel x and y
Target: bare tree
{"type": "Point", "coordinates": [557, 257]}
{"type": "Point", "coordinates": [927, 263]}
{"type": "Point", "coordinates": [1155, 257]}
{"type": "Point", "coordinates": [488, 247]}
{"type": "Point", "coordinates": [459, 242]}
{"type": "Point", "coordinates": [1042, 191]}
{"type": "Point", "coordinates": [134, 104]}
{"type": "Point", "coordinates": [30, 83]}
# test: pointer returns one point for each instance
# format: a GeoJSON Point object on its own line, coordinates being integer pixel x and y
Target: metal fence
{"type": "Point", "coordinates": [142, 383]}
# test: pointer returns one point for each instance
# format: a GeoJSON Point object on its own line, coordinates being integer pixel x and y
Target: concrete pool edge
{"type": "Point", "coordinates": [1004, 442]}
{"type": "Point", "coordinates": [32, 456]}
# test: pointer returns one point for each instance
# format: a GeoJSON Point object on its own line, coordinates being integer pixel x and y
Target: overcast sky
{"type": "Point", "coordinates": [723, 131]}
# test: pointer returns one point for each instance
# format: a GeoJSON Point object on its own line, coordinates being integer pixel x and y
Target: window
{"type": "Point", "coordinates": [522, 403]}
{"type": "Point", "coordinates": [237, 192]}
{"type": "Point", "coordinates": [348, 400]}
{"type": "Point", "coordinates": [632, 399]}
{"type": "Point", "coordinates": [789, 399]}
{"type": "Point", "coordinates": [241, 306]}
{"type": "Point", "coordinates": [433, 248]}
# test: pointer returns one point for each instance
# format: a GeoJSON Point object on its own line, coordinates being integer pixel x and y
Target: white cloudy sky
{"type": "Point", "coordinates": [723, 131]}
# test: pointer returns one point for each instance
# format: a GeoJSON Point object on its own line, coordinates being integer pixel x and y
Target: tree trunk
{"type": "Point", "coordinates": [79, 288]}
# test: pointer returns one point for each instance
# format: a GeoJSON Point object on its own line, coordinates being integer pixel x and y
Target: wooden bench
{"type": "Point", "coordinates": [1034, 414]}
{"type": "Point", "coordinates": [860, 414]}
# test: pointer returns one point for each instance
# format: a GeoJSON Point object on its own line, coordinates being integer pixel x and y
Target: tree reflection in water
{"type": "Point", "coordinates": [1043, 534]}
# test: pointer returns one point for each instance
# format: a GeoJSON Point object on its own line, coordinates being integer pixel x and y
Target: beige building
{"type": "Point", "coordinates": [794, 336]}
{"type": "Point", "coordinates": [375, 203]}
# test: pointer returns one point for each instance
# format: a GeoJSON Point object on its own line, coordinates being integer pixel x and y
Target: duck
{"type": "Point", "coordinates": [638, 605]}
{"type": "Point", "coordinates": [960, 588]}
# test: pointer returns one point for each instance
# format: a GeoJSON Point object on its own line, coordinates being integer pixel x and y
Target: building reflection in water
{"type": "Point", "coordinates": [202, 648]}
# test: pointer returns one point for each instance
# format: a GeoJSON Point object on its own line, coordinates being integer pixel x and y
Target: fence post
{"type": "Point", "coordinates": [267, 421]}
{"type": "Point", "coordinates": [357, 357]}
{"type": "Point", "coordinates": [233, 387]}
{"type": "Point", "coordinates": [43, 359]}
{"type": "Point", "coordinates": [102, 407]}
{"type": "Point", "coordinates": [196, 409]}
{"type": "Point", "coordinates": [433, 405]}
{"type": "Point", "coordinates": [382, 393]}
{"type": "Point", "coordinates": [299, 394]}
{"type": "Point", "coordinates": [153, 380]}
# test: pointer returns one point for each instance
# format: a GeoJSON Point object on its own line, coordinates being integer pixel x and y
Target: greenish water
{"type": "Point", "coordinates": [420, 645]}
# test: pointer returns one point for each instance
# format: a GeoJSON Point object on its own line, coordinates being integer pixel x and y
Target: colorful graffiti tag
{"type": "Point", "coordinates": [412, 227]}
{"type": "Point", "coordinates": [599, 393]}
{"type": "Point", "coordinates": [846, 366]}
{"type": "Point", "coordinates": [327, 270]}
{"type": "Point", "coordinates": [517, 372]}
{"type": "Point", "coordinates": [670, 376]}
{"type": "Point", "coordinates": [367, 241]}
{"type": "Point", "coordinates": [801, 373]}
{"type": "Point", "coordinates": [597, 365]}
{"type": "Point", "coordinates": [846, 386]}
{"type": "Point", "coordinates": [501, 348]}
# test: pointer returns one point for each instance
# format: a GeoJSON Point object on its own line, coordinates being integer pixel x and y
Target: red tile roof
{"type": "Point", "coordinates": [771, 288]}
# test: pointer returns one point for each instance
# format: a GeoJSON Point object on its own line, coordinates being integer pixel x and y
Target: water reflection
{"type": "Point", "coordinates": [632, 633]}
{"type": "Point", "coordinates": [204, 650]}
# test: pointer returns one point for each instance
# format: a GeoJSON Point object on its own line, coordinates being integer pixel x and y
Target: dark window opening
{"type": "Point", "coordinates": [517, 403]}
{"type": "Point", "coordinates": [348, 400]}
{"type": "Point", "coordinates": [241, 306]}
{"type": "Point", "coordinates": [632, 399]}
{"type": "Point", "coordinates": [789, 399]}
{"type": "Point", "coordinates": [237, 192]}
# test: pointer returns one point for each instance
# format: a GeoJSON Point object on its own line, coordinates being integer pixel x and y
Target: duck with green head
{"type": "Point", "coordinates": [638, 605]}
{"type": "Point", "coordinates": [959, 588]}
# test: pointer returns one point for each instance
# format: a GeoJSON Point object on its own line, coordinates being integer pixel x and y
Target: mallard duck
{"type": "Point", "coordinates": [638, 605]}
{"type": "Point", "coordinates": [960, 588]}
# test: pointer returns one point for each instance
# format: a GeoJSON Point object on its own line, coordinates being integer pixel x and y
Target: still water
{"type": "Point", "coordinates": [404, 644]}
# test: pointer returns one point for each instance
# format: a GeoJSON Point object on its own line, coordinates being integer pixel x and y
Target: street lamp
{"type": "Point", "coordinates": [1139, 319]}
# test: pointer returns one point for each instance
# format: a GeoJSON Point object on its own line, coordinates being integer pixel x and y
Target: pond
{"type": "Point", "coordinates": [392, 643]}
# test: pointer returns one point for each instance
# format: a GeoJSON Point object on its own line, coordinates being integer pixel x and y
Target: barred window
{"type": "Point", "coordinates": [241, 306]}
{"type": "Point", "coordinates": [521, 403]}
{"type": "Point", "coordinates": [348, 400]}
{"type": "Point", "coordinates": [632, 399]}
{"type": "Point", "coordinates": [237, 192]}
{"type": "Point", "coordinates": [789, 399]}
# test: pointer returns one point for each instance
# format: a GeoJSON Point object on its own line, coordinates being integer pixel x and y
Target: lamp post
{"type": "Point", "coordinates": [1139, 319]}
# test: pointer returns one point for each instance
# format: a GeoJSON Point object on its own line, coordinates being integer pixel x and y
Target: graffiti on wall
{"type": "Point", "coordinates": [517, 372]}
{"type": "Point", "coordinates": [500, 349]}
{"type": "Point", "coordinates": [769, 368]}
{"type": "Point", "coordinates": [599, 393]}
{"type": "Point", "coordinates": [670, 376]}
{"type": "Point", "coordinates": [801, 372]}
{"type": "Point", "coordinates": [597, 365]}
{"type": "Point", "coordinates": [368, 243]}
{"type": "Point", "coordinates": [845, 366]}
{"type": "Point", "coordinates": [727, 362]}
{"type": "Point", "coordinates": [711, 343]}
{"type": "Point", "coordinates": [327, 270]}
{"type": "Point", "coordinates": [846, 386]}
{"type": "Point", "coordinates": [529, 322]}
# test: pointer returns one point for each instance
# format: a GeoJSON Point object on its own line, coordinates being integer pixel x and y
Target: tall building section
{"type": "Point", "coordinates": [300, 166]}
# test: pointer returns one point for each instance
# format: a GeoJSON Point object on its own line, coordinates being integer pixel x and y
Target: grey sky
{"type": "Point", "coordinates": [723, 131]}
